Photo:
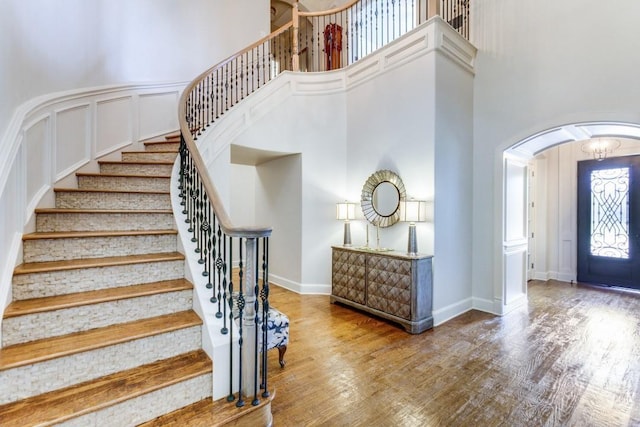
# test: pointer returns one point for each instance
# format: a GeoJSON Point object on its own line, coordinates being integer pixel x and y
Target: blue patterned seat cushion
{"type": "Point", "coordinates": [277, 329]}
{"type": "Point", "coordinates": [277, 325]}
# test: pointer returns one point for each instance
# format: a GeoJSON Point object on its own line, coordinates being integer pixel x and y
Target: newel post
{"type": "Point", "coordinates": [295, 57]}
{"type": "Point", "coordinates": [250, 372]}
{"type": "Point", "coordinates": [433, 8]}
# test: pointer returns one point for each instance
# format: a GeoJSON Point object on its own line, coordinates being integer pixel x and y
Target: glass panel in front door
{"type": "Point", "coordinates": [610, 213]}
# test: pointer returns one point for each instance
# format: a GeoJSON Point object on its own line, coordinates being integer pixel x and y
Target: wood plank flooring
{"type": "Point", "coordinates": [571, 358]}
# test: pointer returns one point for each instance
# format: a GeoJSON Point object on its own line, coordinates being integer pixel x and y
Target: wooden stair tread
{"type": "Point", "coordinates": [93, 190]}
{"type": "Point", "coordinates": [150, 152]}
{"type": "Point", "coordinates": [40, 267]}
{"type": "Point", "coordinates": [208, 412]}
{"type": "Point", "coordinates": [40, 305]}
{"type": "Point", "coordinates": [101, 211]}
{"type": "Point", "coordinates": [50, 348]}
{"type": "Point", "coordinates": [64, 404]}
{"type": "Point", "coordinates": [119, 175]}
{"type": "Point", "coordinates": [134, 162]}
{"type": "Point", "coordinates": [78, 234]}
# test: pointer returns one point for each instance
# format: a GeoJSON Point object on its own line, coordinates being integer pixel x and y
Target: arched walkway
{"type": "Point", "coordinates": [515, 182]}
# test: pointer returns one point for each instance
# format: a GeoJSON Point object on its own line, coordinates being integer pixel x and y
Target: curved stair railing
{"type": "Point", "coordinates": [235, 259]}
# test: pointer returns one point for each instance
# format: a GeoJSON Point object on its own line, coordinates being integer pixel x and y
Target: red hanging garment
{"type": "Point", "coordinates": [332, 46]}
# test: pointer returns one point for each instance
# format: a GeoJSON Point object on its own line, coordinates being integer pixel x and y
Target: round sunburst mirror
{"type": "Point", "coordinates": [381, 196]}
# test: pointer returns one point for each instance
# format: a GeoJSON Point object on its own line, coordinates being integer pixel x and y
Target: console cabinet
{"type": "Point", "coordinates": [392, 285]}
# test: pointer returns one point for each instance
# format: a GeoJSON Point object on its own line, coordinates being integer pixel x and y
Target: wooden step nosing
{"type": "Point", "coordinates": [117, 175]}
{"type": "Point", "coordinates": [49, 211]}
{"type": "Point", "coordinates": [101, 296]}
{"type": "Point", "coordinates": [151, 153]}
{"type": "Point", "coordinates": [121, 333]}
{"type": "Point", "coordinates": [136, 162]}
{"type": "Point", "coordinates": [94, 234]}
{"type": "Point", "coordinates": [94, 190]}
{"type": "Point", "coordinates": [84, 263]}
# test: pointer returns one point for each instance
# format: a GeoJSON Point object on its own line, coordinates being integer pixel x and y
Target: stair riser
{"type": "Point", "coordinates": [149, 156]}
{"type": "Point", "coordinates": [46, 284]}
{"type": "Point", "coordinates": [166, 146]}
{"type": "Point", "coordinates": [48, 324]}
{"type": "Point", "coordinates": [123, 183]}
{"type": "Point", "coordinates": [65, 371]}
{"type": "Point", "coordinates": [91, 200]}
{"type": "Point", "coordinates": [136, 169]}
{"type": "Point", "coordinates": [46, 222]}
{"type": "Point", "coordinates": [40, 250]}
{"type": "Point", "coordinates": [148, 406]}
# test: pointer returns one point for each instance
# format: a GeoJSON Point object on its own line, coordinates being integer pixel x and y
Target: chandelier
{"type": "Point", "coordinates": [599, 148]}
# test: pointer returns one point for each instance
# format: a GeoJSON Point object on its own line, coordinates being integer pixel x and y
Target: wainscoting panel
{"type": "Point", "coordinates": [157, 111]}
{"type": "Point", "coordinates": [51, 136]}
{"type": "Point", "coordinates": [113, 124]}
{"type": "Point", "coordinates": [515, 275]}
{"type": "Point", "coordinates": [38, 152]}
{"type": "Point", "coordinates": [72, 139]}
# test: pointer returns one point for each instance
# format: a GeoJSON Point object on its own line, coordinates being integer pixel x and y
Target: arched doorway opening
{"type": "Point", "coordinates": [539, 230]}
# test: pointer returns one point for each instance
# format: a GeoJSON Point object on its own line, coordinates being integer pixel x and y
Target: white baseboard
{"type": "Point", "coordinates": [501, 309]}
{"type": "Point", "coordinates": [300, 288]}
{"type": "Point", "coordinates": [555, 275]}
{"type": "Point", "coordinates": [483, 304]}
{"type": "Point", "coordinates": [453, 310]}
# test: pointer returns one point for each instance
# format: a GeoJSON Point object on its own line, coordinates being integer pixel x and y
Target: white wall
{"type": "Point", "coordinates": [279, 204]}
{"type": "Point", "coordinates": [50, 46]}
{"type": "Point", "coordinates": [452, 165]}
{"type": "Point", "coordinates": [542, 64]}
{"type": "Point", "coordinates": [348, 124]}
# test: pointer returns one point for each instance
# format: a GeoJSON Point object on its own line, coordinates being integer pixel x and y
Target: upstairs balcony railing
{"type": "Point", "coordinates": [235, 259]}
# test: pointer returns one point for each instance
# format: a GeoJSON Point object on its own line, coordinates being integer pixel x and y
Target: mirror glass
{"type": "Point", "coordinates": [385, 199]}
{"type": "Point", "coordinates": [381, 196]}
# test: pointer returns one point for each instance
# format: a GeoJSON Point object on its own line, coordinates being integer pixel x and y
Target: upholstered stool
{"type": "Point", "coordinates": [277, 328]}
{"type": "Point", "coordinates": [277, 333]}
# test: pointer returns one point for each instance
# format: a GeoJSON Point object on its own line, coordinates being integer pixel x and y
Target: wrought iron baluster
{"type": "Point", "coordinates": [264, 296]}
{"type": "Point", "coordinates": [226, 89]}
{"type": "Point", "coordinates": [265, 75]}
{"type": "Point", "coordinates": [221, 267]}
{"type": "Point", "coordinates": [212, 96]}
{"type": "Point", "coordinates": [205, 226]}
{"type": "Point", "coordinates": [240, 304]}
{"type": "Point", "coordinates": [211, 248]}
{"type": "Point", "coordinates": [256, 322]}
{"type": "Point", "coordinates": [229, 255]}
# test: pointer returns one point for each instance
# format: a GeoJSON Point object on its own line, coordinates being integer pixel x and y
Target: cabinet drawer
{"type": "Point", "coordinates": [348, 275]}
{"type": "Point", "coordinates": [389, 285]}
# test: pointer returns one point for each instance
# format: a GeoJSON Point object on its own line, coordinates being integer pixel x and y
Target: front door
{"type": "Point", "coordinates": [609, 221]}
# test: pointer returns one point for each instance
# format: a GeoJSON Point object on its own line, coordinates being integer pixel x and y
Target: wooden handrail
{"type": "Point", "coordinates": [433, 6]}
{"type": "Point", "coordinates": [226, 224]}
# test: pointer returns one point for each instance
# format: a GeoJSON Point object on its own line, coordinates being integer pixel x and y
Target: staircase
{"type": "Point", "coordinates": [100, 330]}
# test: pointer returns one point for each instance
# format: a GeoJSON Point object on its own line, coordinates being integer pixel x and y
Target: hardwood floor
{"type": "Point", "coordinates": [572, 357]}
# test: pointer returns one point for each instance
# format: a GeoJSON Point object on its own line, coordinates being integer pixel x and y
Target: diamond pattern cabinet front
{"type": "Point", "coordinates": [389, 285]}
{"type": "Point", "coordinates": [392, 285]}
{"type": "Point", "coordinates": [347, 276]}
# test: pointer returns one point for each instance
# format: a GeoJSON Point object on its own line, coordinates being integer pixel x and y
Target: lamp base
{"type": "Point", "coordinates": [412, 243]}
{"type": "Point", "coordinates": [347, 234]}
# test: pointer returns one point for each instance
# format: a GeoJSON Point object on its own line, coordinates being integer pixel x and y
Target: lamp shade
{"type": "Point", "coordinates": [413, 210]}
{"type": "Point", "coordinates": [345, 210]}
